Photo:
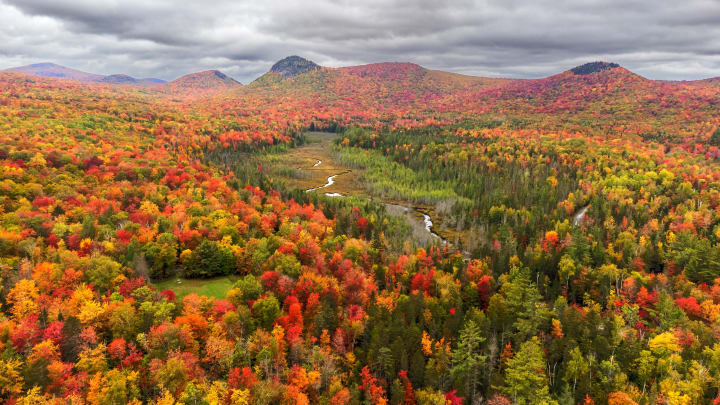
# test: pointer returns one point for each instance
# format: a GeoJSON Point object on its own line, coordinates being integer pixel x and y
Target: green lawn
{"type": "Point", "coordinates": [212, 287]}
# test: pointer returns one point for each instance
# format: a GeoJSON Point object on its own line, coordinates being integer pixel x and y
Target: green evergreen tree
{"type": "Point", "coordinates": [467, 358]}
{"type": "Point", "coordinates": [576, 368]}
{"type": "Point", "coordinates": [210, 259]}
{"type": "Point", "coordinates": [525, 379]}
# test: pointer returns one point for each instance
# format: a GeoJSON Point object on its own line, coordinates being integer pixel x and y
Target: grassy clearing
{"type": "Point", "coordinates": [211, 287]}
{"type": "Point", "coordinates": [297, 166]}
{"type": "Point", "coordinates": [392, 181]}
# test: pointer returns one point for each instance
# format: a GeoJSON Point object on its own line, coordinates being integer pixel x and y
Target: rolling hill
{"type": "Point", "coordinates": [207, 81]}
{"type": "Point", "coordinates": [602, 97]}
{"type": "Point", "coordinates": [570, 100]}
{"type": "Point", "coordinates": [378, 88]}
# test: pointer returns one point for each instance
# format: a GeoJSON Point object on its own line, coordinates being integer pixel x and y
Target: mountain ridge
{"type": "Point", "coordinates": [49, 69]}
{"type": "Point", "coordinates": [293, 66]}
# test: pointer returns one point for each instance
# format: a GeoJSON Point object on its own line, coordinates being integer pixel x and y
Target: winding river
{"type": "Point", "coordinates": [330, 182]}
{"type": "Point", "coordinates": [412, 214]}
{"type": "Point", "coordinates": [427, 221]}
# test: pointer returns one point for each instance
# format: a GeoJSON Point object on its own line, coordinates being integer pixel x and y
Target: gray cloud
{"type": "Point", "coordinates": [661, 39]}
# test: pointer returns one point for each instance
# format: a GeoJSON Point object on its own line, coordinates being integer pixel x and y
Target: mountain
{"type": "Point", "coordinates": [200, 81]}
{"type": "Point", "coordinates": [286, 68]}
{"type": "Point", "coordinates": [411, 75]}
{"type": "Point", "coordinates": [595, 71]}
{"type": "Point", "coordinates": [293, 66]}
{"type": "Point", "coordinates": [372, 81]}
{"type": "Point", "coordinates": [573, 100]}
{"type": "Point", "coordinates": [129, 80]}
{"type": "Point", "coordinates": [62, 72]}
{"type": "Point", "coordinates": [593, 67]}
{"type": "Point", "coordinates": [581, 83]}
{"type": "Point", "coordinates": [568, 100]}
{"type": "Point", "coordinates": [54, 70]}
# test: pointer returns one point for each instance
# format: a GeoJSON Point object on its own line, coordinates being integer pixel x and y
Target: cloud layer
{"type": "Point", "coordinates": [660, 39]}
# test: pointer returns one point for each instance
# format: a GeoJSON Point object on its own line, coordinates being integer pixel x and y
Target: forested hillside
{"type": "Point", "coordinates": [582, 262]}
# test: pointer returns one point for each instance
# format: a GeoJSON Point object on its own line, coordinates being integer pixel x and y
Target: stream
{"type": "Point", "coordinates": [580, 215]}
{"type": "Point", "coordinates": [330, 182]}
{"type": "Point", "coordinates": [411, 213]}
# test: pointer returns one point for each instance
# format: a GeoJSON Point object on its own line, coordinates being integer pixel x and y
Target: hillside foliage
{"type": "Point", "coordinates": [587, 269]}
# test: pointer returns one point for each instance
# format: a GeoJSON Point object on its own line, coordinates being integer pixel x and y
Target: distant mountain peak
{"type": "Point", "coordinates": [293, 66]}
{"type": "Point", "coordinates": [206, 80]}
{"type": "Point", "coordinates": [119, 78]}
{"type": "Point", "coordinates": [47, 69]}
{"type": "Point", "coordinates": [593, 67]}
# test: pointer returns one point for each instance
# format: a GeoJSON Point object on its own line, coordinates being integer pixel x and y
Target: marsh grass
{"type": "Point", "coordinates": [213, 287]}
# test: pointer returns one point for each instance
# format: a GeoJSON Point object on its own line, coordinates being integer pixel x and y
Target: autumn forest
{"type": "Point", "coordinates": [376, 234]}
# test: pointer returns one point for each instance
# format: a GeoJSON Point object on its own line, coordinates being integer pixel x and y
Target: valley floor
{"type": "Point", "coordinates": [315, 167]}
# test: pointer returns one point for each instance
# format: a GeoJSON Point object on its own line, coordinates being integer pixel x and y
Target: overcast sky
{"type": "Point", "coordinates": [660, 39]}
